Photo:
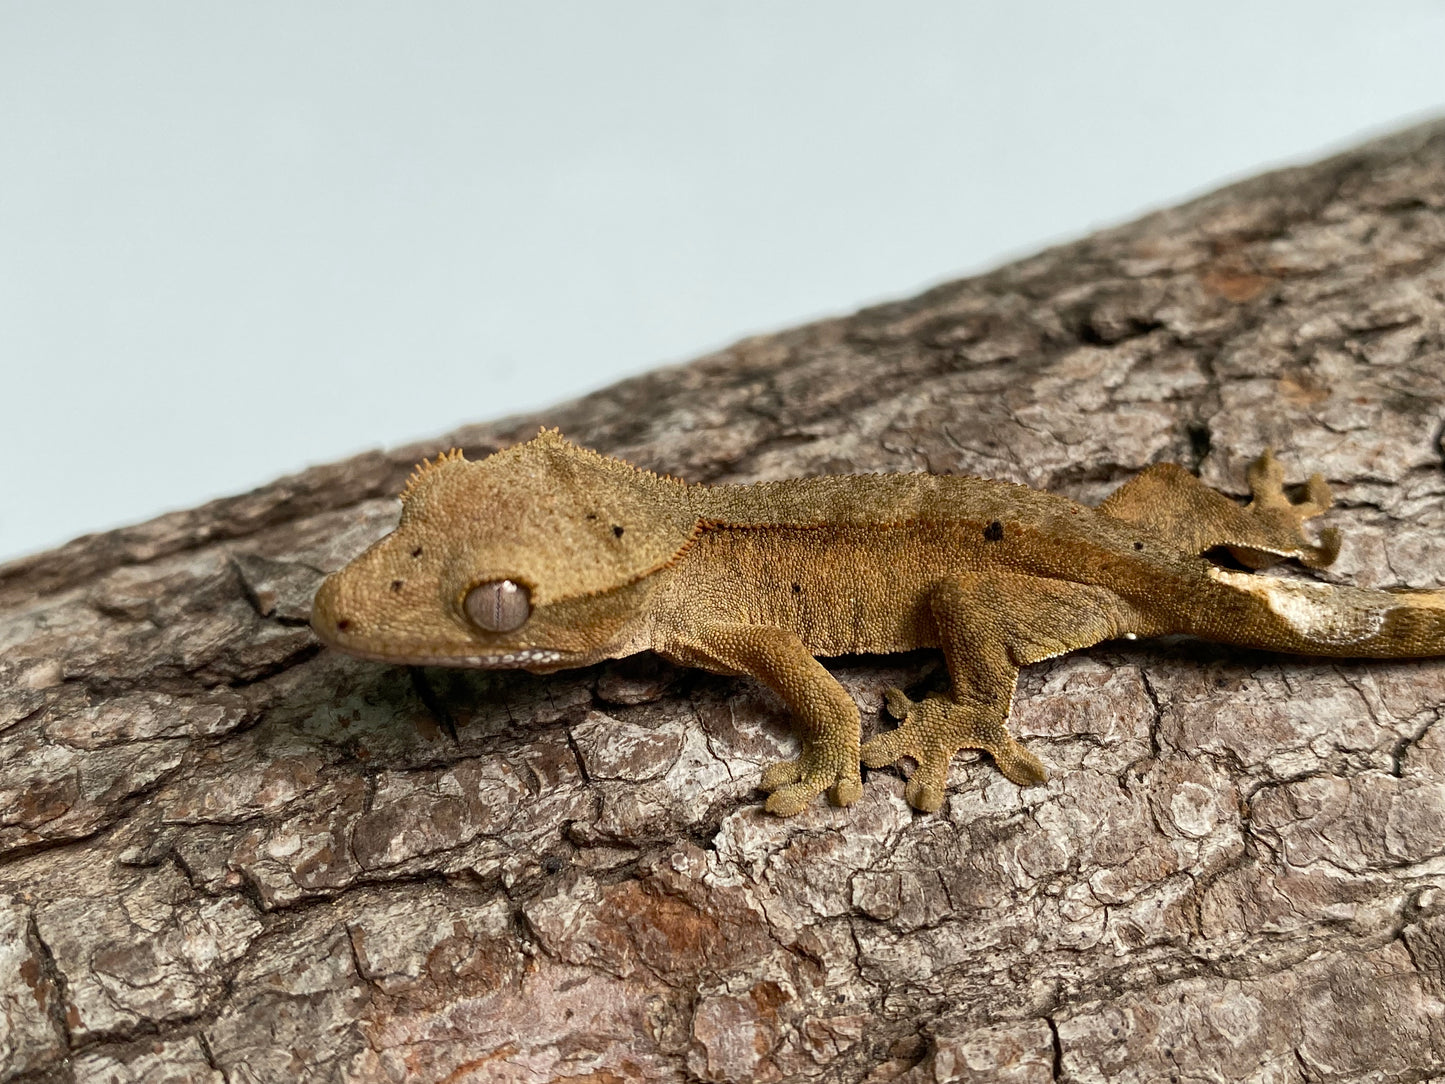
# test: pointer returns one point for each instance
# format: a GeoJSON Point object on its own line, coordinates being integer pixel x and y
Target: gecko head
{"type": "Point", "coordinates": [538, 557]}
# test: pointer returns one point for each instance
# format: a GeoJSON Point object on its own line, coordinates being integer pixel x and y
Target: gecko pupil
{"type": "Point", "coordinates": [993, 532]}
{"type": "Point", "coordinates": [498, 605]}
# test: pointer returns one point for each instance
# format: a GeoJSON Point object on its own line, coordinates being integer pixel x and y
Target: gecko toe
{"type": "Point", "coordinates": [1266, 477]}
{"type": "Point", "coordinates": [924, 795]}
{"type": "Point", "coordinates": [897, 703]}
{"type": "Point", "coordinates": [1324, 554]}
{"type": "Point", "coordinates": [793, 799]}
{"type": "Point", "coordinates": [1019, 765]}
{"type": "Point", "coordinates": [782, 774]}
{"type": "Point", "coordinates": [884, 749]}
{"type": "Point", "coordinates": [928, 782]}
{"type": "Point", "coordinates": [1318, 497]}
{"type": "Point", "coordinates": [845, 791]}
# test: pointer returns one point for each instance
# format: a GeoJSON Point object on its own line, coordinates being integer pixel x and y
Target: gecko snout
{"type": "Point", "coordinates": [328, 619]}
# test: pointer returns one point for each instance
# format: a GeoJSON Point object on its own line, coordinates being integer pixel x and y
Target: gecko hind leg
{"type": "Point", "coordinates": [1169, 500]}
{"type": "Point", "coordinates": [989, 625]}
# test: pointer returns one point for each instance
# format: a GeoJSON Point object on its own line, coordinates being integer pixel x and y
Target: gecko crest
{"type": "Point", "coordinates": [419, 471]}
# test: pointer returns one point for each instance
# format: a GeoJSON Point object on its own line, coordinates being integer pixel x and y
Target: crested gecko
{"type": "Point", "coordinates": [546, 555]}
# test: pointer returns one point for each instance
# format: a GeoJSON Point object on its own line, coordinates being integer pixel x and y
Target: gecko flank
{"type": "Point", "coordinates": [546, 556]}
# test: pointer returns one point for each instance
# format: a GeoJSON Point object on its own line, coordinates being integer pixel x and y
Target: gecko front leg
{"type": "Point", "coordinates": [989, 625]}
{"type": "Point", "coordinates": [825, 715]}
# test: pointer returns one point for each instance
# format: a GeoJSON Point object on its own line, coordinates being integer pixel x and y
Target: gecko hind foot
{"type": "Point", "coordinates": [932, 731]}
{"type": "Point", "coordinates": [793, 784]}
{"type": "Point", "coordinates": [1271, 506]}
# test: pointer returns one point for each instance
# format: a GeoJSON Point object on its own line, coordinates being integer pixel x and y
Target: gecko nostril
{"type": "Point", "coordinates": [343, 624]}
{"type": "Point", "coordinates": [396, 584]}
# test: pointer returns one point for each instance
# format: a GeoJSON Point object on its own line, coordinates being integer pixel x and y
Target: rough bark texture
{"type": "Point", "coordinates": [227, 855]}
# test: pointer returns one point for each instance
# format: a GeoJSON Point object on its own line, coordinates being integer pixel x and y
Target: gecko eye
{"type": "Point", "coordinates": [498, 606]}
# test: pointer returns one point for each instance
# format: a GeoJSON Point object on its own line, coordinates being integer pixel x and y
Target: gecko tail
{"type": "Point", "coordinates": [1311, 618]}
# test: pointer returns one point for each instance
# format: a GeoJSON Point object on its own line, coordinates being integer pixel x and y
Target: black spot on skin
{"type": "Point", "coordinates": [396, 584]}
{"type": "Point", "coordinates": [416, 552]}
{"type": "Point", "coordinates": [993, 532]}
{"type": "Point", "coordinates": [616, 530]}
{"type": "Point", "coordinates": [343, 625]}
{"type": "Point", "coordinates": [591, 515]}
{"type": "Point", "coordinates": [1138, 545]}
{"type": "Point", "coordinates": [797, 587]}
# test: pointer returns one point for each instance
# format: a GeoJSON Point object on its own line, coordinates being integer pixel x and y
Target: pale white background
{"type": "Point", "coordinates": [238, 238]}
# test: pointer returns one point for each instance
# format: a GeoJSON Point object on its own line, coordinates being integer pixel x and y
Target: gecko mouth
{"type": "Point", "coordinates": [427, 655]}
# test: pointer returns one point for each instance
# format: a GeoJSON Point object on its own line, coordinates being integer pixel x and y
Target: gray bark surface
{"type": "Point", "coordinates": [228, 855]}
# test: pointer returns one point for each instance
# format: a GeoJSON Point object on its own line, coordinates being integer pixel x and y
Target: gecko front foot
{"type": "Point", "coordinates": [792, 784]}
{"type": "Point", "coordinates": [935, 728]}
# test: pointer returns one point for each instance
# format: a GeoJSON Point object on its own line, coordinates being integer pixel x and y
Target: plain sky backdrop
{"type": "Point", "coordinates": [240, 238]}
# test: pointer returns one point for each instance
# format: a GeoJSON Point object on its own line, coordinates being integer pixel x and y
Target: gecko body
{"type": "Point", "coordinates": [546, 556]}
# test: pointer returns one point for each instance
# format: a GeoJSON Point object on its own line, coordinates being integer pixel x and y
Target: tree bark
{"type": "Point", "coordinates": [228, 855]}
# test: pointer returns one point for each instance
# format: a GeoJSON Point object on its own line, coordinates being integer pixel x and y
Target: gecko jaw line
{"type": "Point", "coordinates": [422, 658]}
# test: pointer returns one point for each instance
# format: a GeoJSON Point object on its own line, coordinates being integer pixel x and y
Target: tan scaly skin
{"type": "Point", "coordinates": [546, 556]}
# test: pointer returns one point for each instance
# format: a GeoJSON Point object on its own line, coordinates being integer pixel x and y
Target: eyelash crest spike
{"type": "Point", "coordinates": [419, 471]}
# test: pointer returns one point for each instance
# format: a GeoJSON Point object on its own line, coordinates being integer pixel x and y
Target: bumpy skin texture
{"type": "Point", "coordinates": [760, 580]}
